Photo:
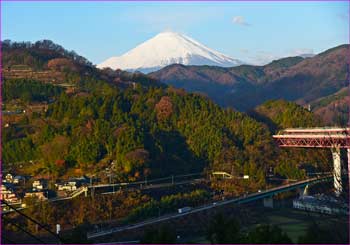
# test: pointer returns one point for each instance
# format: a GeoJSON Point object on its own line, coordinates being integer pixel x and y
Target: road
{"type": "Point", "coordinates": [244, 199]}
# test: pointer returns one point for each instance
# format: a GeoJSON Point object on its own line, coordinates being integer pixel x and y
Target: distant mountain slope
{"type": "Point", "coordinates": [168, 48]}
{"type": "Point", "coordinates": [315, 77]}
{"type": "Point", "coordinates": [243, 87]}
{"type": "Point", "coordinates": [334, 108]}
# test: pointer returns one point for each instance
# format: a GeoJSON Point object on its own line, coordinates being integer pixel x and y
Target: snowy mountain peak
{"type": "Point", "coordinates": [168, 48]}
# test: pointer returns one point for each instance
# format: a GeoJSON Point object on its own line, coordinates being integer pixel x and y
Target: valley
{"type": "Point", "coordinates": [70, 125]}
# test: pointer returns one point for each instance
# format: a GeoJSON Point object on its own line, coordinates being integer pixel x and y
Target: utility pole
{"type": "Point", "coordinates": [92, 189]}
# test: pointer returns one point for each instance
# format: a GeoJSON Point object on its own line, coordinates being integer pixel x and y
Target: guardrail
{"type": "Point", "coordinates": [72, 195]}
{"type": "Point", "coordinates": [171, 177]}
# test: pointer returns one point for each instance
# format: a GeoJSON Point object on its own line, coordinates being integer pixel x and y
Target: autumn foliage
{"type": "Point", "coordinates": [164, 108]}
{"type": "Point", "coordinates": [61, 64]}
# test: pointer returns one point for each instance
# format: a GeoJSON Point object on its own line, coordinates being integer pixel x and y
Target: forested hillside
{"type": "Point", "coordinates": [145, 130]}
{"type": "Point", "coordinates": [281, 114]}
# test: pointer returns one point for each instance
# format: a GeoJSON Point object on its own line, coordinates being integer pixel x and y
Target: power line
{"type": "Point", "coordinates": [25, 231]}
{"type": "Point", "coordinates": [34, 221]}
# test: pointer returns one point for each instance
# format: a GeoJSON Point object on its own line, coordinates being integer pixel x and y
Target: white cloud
{"type": "Point", "coordinates": [301, 52]}
{"type": "Point", "coordinates": [239, 20]}
{"type": "Point", "coordinates": [265, 57]}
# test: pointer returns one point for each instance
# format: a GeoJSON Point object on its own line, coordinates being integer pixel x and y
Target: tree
{"type": "Point", "coordinates": [56, 149]}
{"type": "Point", "coordinates": [136, 160]}
{"type": "Point", "coordinates": [223, 230]}
{"type": "Point", "coordinates": [267, 234]}
{"type": "Point", "coordinates": [316, 234]}
{"type": "Point", "coordinates": [164, 235]}
{"type": "Point", "coordinates": [164, 108]}
{"type": "Point", "coordinates": [61, 64]}
{"type": "Point", "coordinates": [87, 151]}
{"type": "Point", "coordinates": [78, 235]}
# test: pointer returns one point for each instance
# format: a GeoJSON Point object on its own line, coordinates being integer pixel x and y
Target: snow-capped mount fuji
{"type": "Point", "coordinates": [165, 49]}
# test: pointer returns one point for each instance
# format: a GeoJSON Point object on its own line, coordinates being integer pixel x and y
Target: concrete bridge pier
{"type": "Point", "coordinates": [337, 171]}
{"type": "Point", "coordinates": [306, 190]}
{"type": "Point", "coordinates": [303, 191]}
{"type": "Point", "coordinates": [268, 202]}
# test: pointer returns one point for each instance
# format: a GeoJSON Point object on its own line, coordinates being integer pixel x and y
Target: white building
{"type": "Point", "coordinates": [9, 178]}
{"type": "Point", "coordinates": [320, 204]}
{"type": "Point", "coordinates": [67, 186]}
{"type": "Point", "coordinates": [36, 194]}
{"type": "Point", "coordinates": [39, 185]}
{"type": "Point", "coordinates": [8, 194]}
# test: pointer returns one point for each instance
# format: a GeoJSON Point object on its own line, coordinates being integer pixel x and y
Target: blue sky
{"type": "Point", "coordinates": [255, 32]}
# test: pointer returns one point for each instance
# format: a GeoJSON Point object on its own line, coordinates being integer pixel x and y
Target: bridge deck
{"type": "Point", "coordinates": [327, 130]}
{"type": "Point", "coordinates": [314, 137]}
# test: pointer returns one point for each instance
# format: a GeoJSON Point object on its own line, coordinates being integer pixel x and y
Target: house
{"type": "Point", "coordinates": [9, 178]}
{"type": "Point", "coordinates": [67, 186]}
{"type": "Point", "coordinates": [17, 179]}
{"type": "Point", "coordinates": [39, 184]}
{"type": "Point", "coordinates": [36, 194]}
{"type": "Point", "coordinates": [8, 194]}
{"type": "Point", "coordinates": [73, 184]}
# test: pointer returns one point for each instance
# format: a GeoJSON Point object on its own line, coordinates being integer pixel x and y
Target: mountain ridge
{"type": "Point", "coordinates": [246, 86]}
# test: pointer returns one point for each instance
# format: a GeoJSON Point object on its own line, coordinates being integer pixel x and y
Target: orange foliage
{"type": "Point", "coordinates": [138, 156]}
{"type": "Point", "coordinates": [164, 108]}
{"type": "Point", "coordinates": [60, 64]}
{"type": "Point", "coordinates": [60, 162]}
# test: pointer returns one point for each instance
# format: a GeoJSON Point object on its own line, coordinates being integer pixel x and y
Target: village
{"type": "Point", "coordinates": [16, 189]}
